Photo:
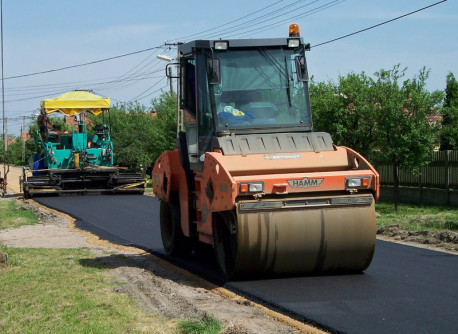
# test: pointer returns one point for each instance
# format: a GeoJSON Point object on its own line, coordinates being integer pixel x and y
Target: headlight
{"type": "Point", "coordinates": [221, 45]}
{"type": "Point", "coordinates": [357, 182]}
{"type": "Point", "coordinates": [251, 187]}
{"type": "Point", "coordinates": [294, 42]}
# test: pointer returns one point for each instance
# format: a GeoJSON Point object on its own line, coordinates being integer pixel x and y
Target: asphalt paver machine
{"type": "Point", "coordinates": [250, 177]}
{"type": "Point", "coordinates": [75, 161]}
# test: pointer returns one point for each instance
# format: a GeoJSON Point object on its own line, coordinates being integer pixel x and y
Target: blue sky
{"type": "Point", "coordinates": [51, 34]}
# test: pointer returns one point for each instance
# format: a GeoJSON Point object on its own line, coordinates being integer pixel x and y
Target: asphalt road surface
{"type": "Point", "coordinates": [405, 290]}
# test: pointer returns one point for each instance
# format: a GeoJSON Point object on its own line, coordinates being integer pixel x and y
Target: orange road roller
{"type": "Point", "coordinates": [250, 177]}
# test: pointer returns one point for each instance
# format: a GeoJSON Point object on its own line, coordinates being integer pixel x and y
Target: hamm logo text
{"type": "Point", "coordinates": [305, 183]}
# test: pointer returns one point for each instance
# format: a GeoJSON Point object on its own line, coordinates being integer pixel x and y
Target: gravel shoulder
{"type": "Point", "coordinates": [445, 241]}
{"type": "Point", "coordinates": [157, 286]}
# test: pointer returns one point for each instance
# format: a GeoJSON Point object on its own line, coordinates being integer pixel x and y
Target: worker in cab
{"type": "Point", "coordinates": [47, 130]}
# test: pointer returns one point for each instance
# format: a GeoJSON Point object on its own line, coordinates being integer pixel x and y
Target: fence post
{"type": "Point", "coordinates": [420, 183]}
{"type": "Point", "coordinates": [447, 175]}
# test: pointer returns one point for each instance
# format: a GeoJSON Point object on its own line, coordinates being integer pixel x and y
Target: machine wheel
{"type": "Point", "coordinates": [225, 243]}
{"type": "Point", "coordinates": [25, 190]}
{"type": "Point", "coordinates": [174, 241]}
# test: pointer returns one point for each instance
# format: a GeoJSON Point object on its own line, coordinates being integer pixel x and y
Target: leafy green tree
{"type": "Point", "coordinates": [327, 109]}
{"type": "Point", "coordinates": [346, 111]}
{"type": "Point", "coordinates": [2, 152]}
{"type": "Point", "coordinates": [58, 123]}
{"type": "Point", "coordinates": [131, 126]}
{"type": "Point", "coordinates": [404, 134]}
{"type": "Point", "coordinates": [138, 135]}
{"type": "Point", "coordinates": [449, 131]}
{"type": "Point", "coordinates": [14, 152]}
{"type": "Point", "coordinates": [165, 123]}
{"type": "Point", "coordinates": [382, 114]}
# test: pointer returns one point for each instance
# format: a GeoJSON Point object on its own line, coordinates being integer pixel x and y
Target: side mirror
{"type": "Point", "coordinates": [301, 69]}
{"type": "Point", "coordinates": [214, 71]}
{"type": "Point", "coordinates": [168, 70]}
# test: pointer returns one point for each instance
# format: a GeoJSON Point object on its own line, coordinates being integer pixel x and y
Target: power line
{"type": "Point", "coordinates": [230, 22]}
{"type": "Point", "coordinates": [243, 29]}
{"type": "Point", "coordinates": [157, 90]}
{"type": "Point", "coordinates": [50, 88]}
{"type": "Point", "coordinates": [139, 95]}
{"type": "Point", "coordinates": [132, 76]}
{"type": "Point", "coordinates": [135, 75]}
{"type": "Point", "coordinates": [378, 25]}
{"type": "Point", "coordinates": [18, 117]}
{"type": "Point", "coordinates": [158, 47]}
{"type": "Point", "coordinates": [298, 16]}
{"type": "Point", "coordinates": [84, 64]}
{"type": "Point", "coordinates": [146, 64]}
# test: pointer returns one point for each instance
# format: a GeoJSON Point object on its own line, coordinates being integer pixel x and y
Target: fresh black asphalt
{"type": "Point", "coordinates": [405, 290]}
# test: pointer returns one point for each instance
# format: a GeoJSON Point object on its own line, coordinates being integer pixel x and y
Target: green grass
{"type": "Point", "coordinates": [11, 215]}
{"type": "Point", "coordinates": [69, 291]}
{"type": "Point", "coordinates": [418, 217]}
{"type": "Point", "coordinates": [207, 325]}
{"type": "Point", "coordinates": [149, 182]}
{"type": "Point", "coordinates": [65, 291]}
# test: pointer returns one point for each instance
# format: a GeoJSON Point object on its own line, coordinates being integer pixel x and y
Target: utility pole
{"type": "Point", "coordinates": [5, 134]}
{"type": "Point", "coordinates": [170, 80]}
{"type": "Point", "coordinates": [5, 131]}
{"type": "Point", "coordinates": [5, 140]}
{"type": "Point", "coordinates": [23, 138]}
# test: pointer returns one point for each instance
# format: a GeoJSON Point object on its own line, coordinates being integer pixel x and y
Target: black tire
{"type": "Point", "coordinates": [25, 190]}
{"type": "Point", "coordinates": [174, 241]}
{"type": "Point", "coordinates": [225, 244]}
{"type": "Point", "coordinates": [27, 195]}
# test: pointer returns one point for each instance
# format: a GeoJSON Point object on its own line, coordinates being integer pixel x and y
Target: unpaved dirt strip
{"type": "Point", "coordinates": [13, 180]}
{"type": "Point", "coordinates": [43, 236]}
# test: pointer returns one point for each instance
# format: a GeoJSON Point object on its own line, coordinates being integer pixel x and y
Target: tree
{"type": "Point", "coordinates": [131, 127]}
{"type": "Point", "coordinates": [138, 135]}
{"type": "Point", "coordinates": [449, 131]}
{"type": "Point", "coordinates": [165, 123]}
{"type": "Point", "coordinates": [14, 152]}
{"type": "Point", "coordinates": [404, 134]}
{"type": "Point", "coordinates": [346, 111]}
{"type": "Point", "coordinates": [382, 114]}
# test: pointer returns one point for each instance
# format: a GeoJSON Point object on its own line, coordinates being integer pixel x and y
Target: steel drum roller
{"type": "Point", "coordinates": [307, 240]}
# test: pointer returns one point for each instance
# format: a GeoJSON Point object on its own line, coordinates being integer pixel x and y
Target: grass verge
{"type": "Point", "coordinates": [56, 291]}
{"type": "Point", "coordinates": [52, 291]}
{"type": "Point", "coordinates": [418, 217]}
{"type": "Point", "coordinates": [11, 215]}
{"type": "Point", "coordinates": [207, 325]}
